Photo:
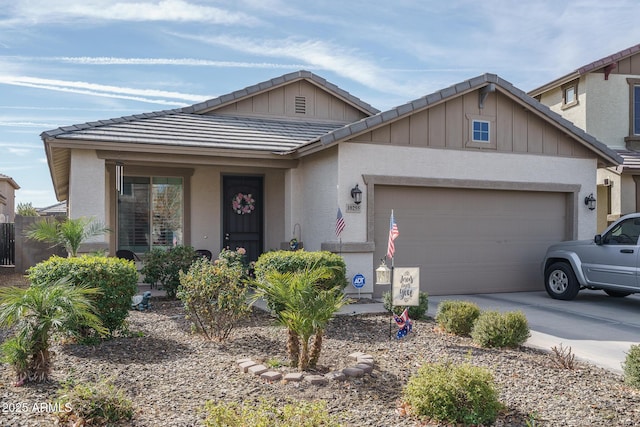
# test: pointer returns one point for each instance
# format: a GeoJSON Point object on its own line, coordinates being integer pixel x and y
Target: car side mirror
{"type": "Point", "coordinates": [598, 239]}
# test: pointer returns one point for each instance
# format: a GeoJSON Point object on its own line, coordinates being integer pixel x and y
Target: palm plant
{"type": "Point", "coordinates": [69, 233]}
{"type": "Point", "coordinates": [37, 313]}
{"type": "Point", "coordinates": [306, 310]}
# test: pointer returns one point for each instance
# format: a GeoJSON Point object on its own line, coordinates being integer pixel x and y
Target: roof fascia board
{"type": "Point", "coordinates": [192, 159]}
{"type": "Point", "coordinates": [554, 84]}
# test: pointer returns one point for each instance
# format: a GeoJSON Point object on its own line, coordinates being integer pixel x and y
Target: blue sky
{"type": "Point", "coordinates": [65, 62]}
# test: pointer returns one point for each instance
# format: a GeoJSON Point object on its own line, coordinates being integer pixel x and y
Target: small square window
{"type": "Point", "coordinates": [480, 131]}
{"type": "Point", "coordinates": [570, 94]}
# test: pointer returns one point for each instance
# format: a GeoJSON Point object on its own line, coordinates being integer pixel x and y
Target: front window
{"type": "Point", "coordinates": [150, 213]}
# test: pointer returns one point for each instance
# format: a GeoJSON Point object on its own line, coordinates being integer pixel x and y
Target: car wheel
{"type": "Point", "coordinates": [560, 281]}
{"type": "Point", "coordinates": [617, 294]}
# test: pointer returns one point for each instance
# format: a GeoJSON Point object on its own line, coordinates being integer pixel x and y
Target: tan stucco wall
{"type": "Point", "coordinates": [607, 116]}
{"type": "Point", "coordinates": [87, 187]}
{"type": "Point", "coordinates": [7, 201]}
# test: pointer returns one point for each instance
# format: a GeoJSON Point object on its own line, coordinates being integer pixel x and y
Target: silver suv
{"type": "Point", "coordinates": [609, 262]}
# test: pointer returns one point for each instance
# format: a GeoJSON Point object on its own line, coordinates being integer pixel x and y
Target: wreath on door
{"type": "Point", "coordinates": [243, 204]}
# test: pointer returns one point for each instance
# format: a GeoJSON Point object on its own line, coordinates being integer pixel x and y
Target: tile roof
{"type": "Point", "coordinates": [175, 128]}
{"type": "Point", "coordinates": [455, 90]}
{"type": "Point", "coordinates": [631, 158]}
{"type": "Point", "coordinates": [592, 66]}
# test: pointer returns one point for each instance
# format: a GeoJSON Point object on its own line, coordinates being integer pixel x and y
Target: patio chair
{"type": "Point", "coordinates": [127, 254]}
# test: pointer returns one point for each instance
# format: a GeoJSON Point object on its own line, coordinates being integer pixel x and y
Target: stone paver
{"type": "Point", "coordinates": [258, 369]}
{"type": "Point", "coordinates": [364, 365]}
{"type": "Point", "coordinates": [271, 376]}
{"type": "Point", "coordinates": [353, 372]}
{"type": "Point", "coordinates": [294, 376]}
{"type": "Point", "coordinates": [244, 366]}
{"type": "Point", "coordinates": [316, 379]}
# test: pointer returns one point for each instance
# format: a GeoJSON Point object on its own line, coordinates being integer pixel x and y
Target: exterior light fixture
{"type": "Point", "coordinates": [383, 274]}
{"type": "Point", "coordinates": [590, 202]}
{"type": "Point", "coordinates": [119, 178]}
{"type": "Point", "coordinates": [356, 194]}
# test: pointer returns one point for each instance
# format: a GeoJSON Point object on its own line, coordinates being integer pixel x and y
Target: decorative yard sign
{"type": "Point", "coordinates": [406, 286]}
{"type": "Point", "coordinates": [358, 281]}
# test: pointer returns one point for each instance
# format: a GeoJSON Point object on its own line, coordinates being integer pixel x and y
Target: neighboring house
{"type": "Point", "coordinates": [603, 98]}
{"type": "Point", "coordinates": [481, 178]}
{"type": "Point", "coordinates": [8, 189]}
{"type": "Point", "coordinates": [58, 209]}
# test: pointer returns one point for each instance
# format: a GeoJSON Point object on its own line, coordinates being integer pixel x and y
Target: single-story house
{"type": "Point", "coordinates": [480, 176]}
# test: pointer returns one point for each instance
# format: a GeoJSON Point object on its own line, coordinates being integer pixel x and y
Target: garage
{"type": "Point", "coordinates": [470, 240]}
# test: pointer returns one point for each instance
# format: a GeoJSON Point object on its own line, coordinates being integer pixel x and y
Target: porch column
{"type": "Point", "coordinates": [87, 194]}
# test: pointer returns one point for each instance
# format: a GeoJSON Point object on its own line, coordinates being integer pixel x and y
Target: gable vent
{"type": "Point", "coordinates": [301, 105]}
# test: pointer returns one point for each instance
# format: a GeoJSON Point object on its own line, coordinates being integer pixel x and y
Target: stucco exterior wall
{"type": "Point", "coordinates": [87, 184]}
{"type": "Point", "coordinates": [607, 116]}
{"type": "Point", "coordinates": [316, 198]}
{"type": "Point", "coordinates": [445, 164]}
{"type": "Point", "coordinates": [576, 114]}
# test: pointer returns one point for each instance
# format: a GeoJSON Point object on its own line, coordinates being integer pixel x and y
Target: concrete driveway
{"type": "Point", "coordinates": [598, 328]}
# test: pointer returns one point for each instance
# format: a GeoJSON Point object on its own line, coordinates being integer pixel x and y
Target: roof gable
{"type": "Point", "coordinates": [462, 98]}
{"type": "Point", "coordinates": [284, 90]}
{"type": "Point", "coordinates": [626, 61]}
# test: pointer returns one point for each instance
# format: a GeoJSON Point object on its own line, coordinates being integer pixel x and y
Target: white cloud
{"type": "Point", "coordinates": [60, 11]}
{"type": "Point", "coordinates": [93, 89]}
{"type": "Point", "coordinates": [189, 62]}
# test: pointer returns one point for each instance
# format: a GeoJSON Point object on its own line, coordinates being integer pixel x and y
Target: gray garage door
{"type": "Point", "coordinates": [470, 241]}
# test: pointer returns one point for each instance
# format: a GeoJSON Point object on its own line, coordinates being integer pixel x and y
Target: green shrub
{"type": "Point", "coordinates": [164, 267]}
{"type": "Point", "coordinates": [415, 311]}
{"type": "Point", "coordinates": [457, 317]}
{"type": "Point", "coordinates": [292, 261]}
{"type": "Point", "coordinates": [214, 297]}
{"type": "Point", "coordinates": [93, 404]}
{"type": "Point", "coordinates": [631, 367]}
{"type": "Point", "coordinates": [495, 329]}
{"type": "Point", "coordinates": [265, 414]}
{"type": "Point", "coordinates": [116, 278]}
{"type": "Point", "coordinates": [453, 394]}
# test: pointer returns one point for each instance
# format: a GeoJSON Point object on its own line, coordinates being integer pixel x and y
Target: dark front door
{"type": "Point", "coordinates": [242, 214]}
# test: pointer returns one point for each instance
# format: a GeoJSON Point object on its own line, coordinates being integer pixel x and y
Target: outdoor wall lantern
{"type": "Point", "coordinates": [356, 194]}
{"type": "Point", "coordinates": [119, 177]}
{"type": "Point", "coordinates": [383, 274]}
{"type": "Point", "coordinates": [590, 201]}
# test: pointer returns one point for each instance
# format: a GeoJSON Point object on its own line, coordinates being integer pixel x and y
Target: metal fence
{"type": "Point", "coordinates": [7, 244]}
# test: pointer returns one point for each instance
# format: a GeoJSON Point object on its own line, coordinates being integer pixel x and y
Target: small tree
{"type": "Point", "coordinates": [37, 313]}
{"type": "Point", "coordinates": [26, 209]}
{"type": "Point", "coordinates": [70, 233]}
{"type": "Point", "coordinates": [306, 309]}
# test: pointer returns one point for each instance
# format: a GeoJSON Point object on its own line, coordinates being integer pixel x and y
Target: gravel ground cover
{"type": "Point", "coordinates": [170, 373]}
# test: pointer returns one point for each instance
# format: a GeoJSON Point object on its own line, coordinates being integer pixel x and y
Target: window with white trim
{"type": "Point", "coordinates": [636, 110]}
{"type": "Point", "coordinates": [570, 94]}
{"type": "Point", "coordinates": [480, 131]}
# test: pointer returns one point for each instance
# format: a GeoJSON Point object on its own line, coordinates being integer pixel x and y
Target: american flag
{"type": "Point", "coordinates": [393, 233]}
{"type": "Point", "coordinates": [339, 223]}
{"type": "Point", "coordinates": [404, 323]}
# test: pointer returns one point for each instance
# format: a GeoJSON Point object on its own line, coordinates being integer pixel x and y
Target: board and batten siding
{"type": "Point", "coordinates": [281, 102]}
{"type": "Point", "coordinates": [448, 124]}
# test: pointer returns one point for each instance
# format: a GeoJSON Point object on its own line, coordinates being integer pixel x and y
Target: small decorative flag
{"type": "Point", "coordinates": [393, 233]}
{"type": "Point", "coordinates": [404, 323]}
{"type": "Point", "coordinates": [339, 223]}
